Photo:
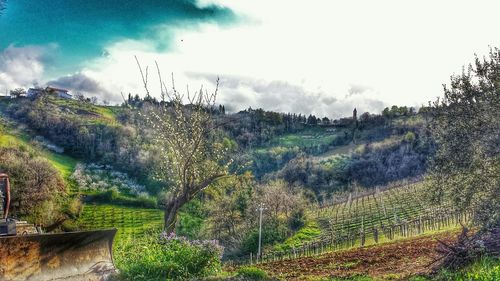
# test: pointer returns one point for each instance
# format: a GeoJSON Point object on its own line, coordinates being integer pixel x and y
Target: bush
{"type": "Point", "coordinates": [297, 220]}
{"type": "Point", "coordinates": [252, 273]}
{"type": "Point", "coordinates": [160, 257]}
{"type": "Point", "coordinates": [113, 196]}
{"type": "Point", "coordinates": [38, 190]}
{"type": "Point", "coordinates": [271, 234]}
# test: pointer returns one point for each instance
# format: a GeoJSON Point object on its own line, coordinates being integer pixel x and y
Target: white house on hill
{"type": "Point", "coordinates": [61, 93]}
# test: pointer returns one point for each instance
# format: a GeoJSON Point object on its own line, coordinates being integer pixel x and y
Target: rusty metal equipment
{"type": "Point", "coordinates": [29, 255]}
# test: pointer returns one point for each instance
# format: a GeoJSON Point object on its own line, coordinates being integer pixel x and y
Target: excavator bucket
{"type": "Point", "coordinates": [73, 256]}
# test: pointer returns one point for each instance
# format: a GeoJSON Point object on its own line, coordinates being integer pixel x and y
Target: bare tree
{"type": "Point", "coordinates": [192, 154]}
{"type": "Point", "coordinates": [18, 92]}
{"type": "Point", "coordinates": [280, 198]}
{"type": "Point", "coordinates": [79, 97]}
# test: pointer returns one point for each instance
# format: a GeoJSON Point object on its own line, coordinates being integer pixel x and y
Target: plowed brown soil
{"type": "Point", "coordinates": [397, 260]}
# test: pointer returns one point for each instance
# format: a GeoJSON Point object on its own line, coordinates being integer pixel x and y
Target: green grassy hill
{"type": "Point", "coordinates": [327, 147]}
{"type": "Point", "coordinates": [130, 221]}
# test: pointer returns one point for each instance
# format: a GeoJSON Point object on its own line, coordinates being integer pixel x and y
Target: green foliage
{"type": "Point", "coordinates": [466, 126]}
{"type": "Point", "coordinates": [10, 137]}
{"type": "Point", "coordinates": [161, 257]}
{"type": "Point", "coordinates": [486, 269]}
{"type": "Point", "coordinates": [309, 232]}
{"type": "Point", "coordinates": [131, 222]}
{"type": "Point", "coordinates": [191, 218]}
{"type": "Point", "coordinates": [271, 234]}
{"type": "Point", "coordinates": [252, 273]}
{"type": "Point", "coordinates": [85, 131]}
{"type": "Point", "coordinates": [113, 196]}
{"type": "Point", "coordinates": [409, 137]}
{"type": "Point", "coordinates": [38, 192]}
{"type": "Point", "coordinates": [297, 219]}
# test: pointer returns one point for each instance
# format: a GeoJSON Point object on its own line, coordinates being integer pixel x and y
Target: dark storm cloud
{"type": "Point", "coordinates": [80, 83]}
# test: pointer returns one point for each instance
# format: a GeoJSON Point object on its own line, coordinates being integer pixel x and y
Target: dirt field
{"type": "Point", "coordinates": [393, 261]}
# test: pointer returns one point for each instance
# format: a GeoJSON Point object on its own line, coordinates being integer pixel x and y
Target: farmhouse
{"type": "Point", "coordinates": [61, 93]}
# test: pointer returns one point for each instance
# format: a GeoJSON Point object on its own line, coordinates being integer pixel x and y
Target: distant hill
{"type": "Point", "coordinates": [321, 154]}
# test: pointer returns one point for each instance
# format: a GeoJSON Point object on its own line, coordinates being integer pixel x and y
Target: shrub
{"type": "Point", "coordinates": [38, 190]}
{"type": "Point", "coordinates": [297, 220]}
{"type": "Point", "coordinates": [271, 234]}
{"type": "Point", "coordinates": [252, 273]}
{"type": "Point", "coordinates": [160, 257]}
{"type": "Point", "coordinates": [113, 196]}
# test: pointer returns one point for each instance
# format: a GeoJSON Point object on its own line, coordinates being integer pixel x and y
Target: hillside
{"type": "Point", "coordinates": [94, 213]}
{"type": "Point", "coordinates": [362, 180]}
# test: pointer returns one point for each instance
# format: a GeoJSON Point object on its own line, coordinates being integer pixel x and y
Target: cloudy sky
{"type": "Point", "coordinates": [305, 56]}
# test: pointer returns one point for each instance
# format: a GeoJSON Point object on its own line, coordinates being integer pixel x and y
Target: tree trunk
{"type": "Point", "coordinates": [170, 219]}
{"type": "Point", "coordinates": [171, 210]}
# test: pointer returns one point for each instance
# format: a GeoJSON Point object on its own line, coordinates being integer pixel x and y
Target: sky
{"type": "Point", "coordinates": [310, 57]}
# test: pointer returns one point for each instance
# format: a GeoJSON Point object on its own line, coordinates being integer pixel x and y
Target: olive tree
{"type": "Point", "coordinates": [466, 127]}
{"type": "Point", "coordinates": [191, 151]}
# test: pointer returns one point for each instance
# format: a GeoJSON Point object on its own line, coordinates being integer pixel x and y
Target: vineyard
{"type": "Point", "coordinates": [371, 218]}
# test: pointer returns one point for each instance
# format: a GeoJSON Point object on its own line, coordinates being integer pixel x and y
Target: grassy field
{"type": "Point", "coordinates": [306, 138]}
{"type": "Point", "coordinates": [131, 222]}
{"type": "Point", "coordinates": [14, 138]}
{"type": "Point", "coordinates": [87, 110]}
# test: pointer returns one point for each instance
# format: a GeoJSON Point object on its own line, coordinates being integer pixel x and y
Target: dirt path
{"type": "Point", "coordinates": [398, 260]}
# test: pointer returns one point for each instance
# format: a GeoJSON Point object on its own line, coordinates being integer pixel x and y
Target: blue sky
{"type": "Point", "coordinates": [322, 57]}
{"type": "Point", "coordinates": [82, 28]}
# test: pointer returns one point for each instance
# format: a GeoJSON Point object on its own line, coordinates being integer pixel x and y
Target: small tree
{"type": "Point", "coordinates": [192, 154]}
{"type": "Point", "coordinates": [466, 127]}
{"type": "Point", "coordinates": [79, 97]}
{"type": "Point", "coordinates": [18, 92]}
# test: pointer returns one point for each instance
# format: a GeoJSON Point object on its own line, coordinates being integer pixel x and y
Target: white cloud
{"type": "Point", "coordinates": [336, 53]}
{"type": "Point", "coordinates": [243, 92]}
{"type": "Point", "coordinates": [23, 66]}
{"type": "Point", "coordinates": [397, 52]}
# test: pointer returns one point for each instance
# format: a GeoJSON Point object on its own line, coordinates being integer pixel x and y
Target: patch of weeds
{"type": "Point", "coordinates": [252, 273]}
{"type": "Point", "coordinates": [341, 266]}
{"type": "Point", "coordinates": [485, 269]}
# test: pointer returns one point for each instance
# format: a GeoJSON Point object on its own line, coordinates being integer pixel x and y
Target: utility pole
{"type": "Point", "coordinates": [260, 209]}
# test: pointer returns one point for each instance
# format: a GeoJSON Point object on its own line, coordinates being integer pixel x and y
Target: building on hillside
{"type": "Point", "coordinates": [34, 92]}
{"type": "Point", "coordinates": [61, 93]}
